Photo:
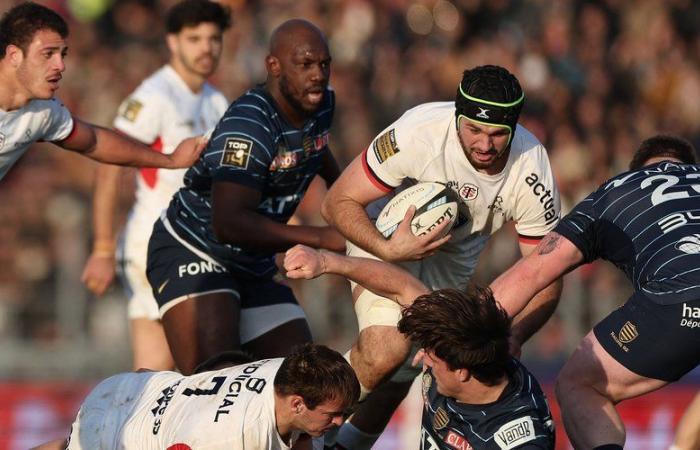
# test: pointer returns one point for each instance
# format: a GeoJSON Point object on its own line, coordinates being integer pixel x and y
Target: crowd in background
{"type": "Point", "coordinates": [599, 76]}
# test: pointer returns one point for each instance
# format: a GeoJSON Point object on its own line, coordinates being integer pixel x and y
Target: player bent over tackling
{"type": "Point", "coordinates": [261, 405]}
{"type": "Point", "coordinates": [476, 395]}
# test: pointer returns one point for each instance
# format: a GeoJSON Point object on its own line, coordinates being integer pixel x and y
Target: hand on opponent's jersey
{"type": "Point", "coordinates": [187, 152]}
{"type": "Point", "coordinates": [302, 262]}
{"type": "Point", "coordinates": [406, 246]}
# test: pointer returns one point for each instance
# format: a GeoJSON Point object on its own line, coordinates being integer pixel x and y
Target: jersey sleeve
{"type": "Point", "coordinates": [538, 207]}
{"type": "Point", "coordinates": [579, 226]}
{"type": "Point", "coordinates": [140, 116]}
{"type": "Point", "coordinates": [60, 122]}
{"type": "Point", "coordinates": [395, 154]}
{"type": "Point", "coordinates": [242, 148]}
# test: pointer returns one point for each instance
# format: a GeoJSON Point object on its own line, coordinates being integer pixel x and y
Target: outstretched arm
{"type": "Point", "coordinates": [384, 279]}
{"type": "Point", "coordinates": [553, 257]}
{"type": "Point", "coordinates": [110, 147]}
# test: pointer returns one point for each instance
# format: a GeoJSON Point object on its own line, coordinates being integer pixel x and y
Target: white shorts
{"type": "Point", "coordinates": [451, 267]}
{"type": "Point", "coordinates": [132, 254]}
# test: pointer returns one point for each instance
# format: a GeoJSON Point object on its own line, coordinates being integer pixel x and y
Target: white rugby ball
{"type": "Point", "coordinates": [434, 204]}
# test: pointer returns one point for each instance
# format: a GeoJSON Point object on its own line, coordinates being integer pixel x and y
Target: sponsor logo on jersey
{"type": "Point", "coordinates": [677, 220]}
{"type": "Point", "coordinates": [689, 244]}
{"type": "Point", "coordinates": [130, 109]}
{"type": "Point", "coordinates": [690, 313]}
{"type": "Point", "coordinates": [483, 113]}
{"type": "Point", "coordinates": [199, 267]}
{"type": "Point", "coordinates": [236, 152]}
{"type": "Point", "coordinates": [469, 191]}
{"type": "Point", "coordinates": [161, 404]}
{"type": "Point", "coordinates": [457, 441]}
{"type": "Point", "coordinates": [284, 160]}
{"type": "Point", "coordinates": [545, 196]}
{"type": "Point", "coordinates": [515, 433]}
{"type": "Point", "coordinates": [627, 334]}
{"type": "Point", "coordinates": [244, 380]}
{"type": "Point", "coordinates": [385, 146]}
{"type": "Point", "coordinates": [497, 205]}
{"type": "Point", "coordinates": [316, 144]}
{"type": "Point", "coordinates": [441, 419]}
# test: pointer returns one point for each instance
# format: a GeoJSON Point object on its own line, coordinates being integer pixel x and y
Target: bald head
{"type": "Point", "coordinates": [298, 69]}
{"type": "Point", "coordinates": [294, 33]}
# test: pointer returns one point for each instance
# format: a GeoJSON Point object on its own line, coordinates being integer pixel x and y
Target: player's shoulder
{"type": "Point", "coordinates": [43, 107]}
{"type": "Point", "coordinates": [525, 143]}
{"type": "Point", "coordinates": [427, 115]}
{"type": "Point", "coordinates": [159, 86]}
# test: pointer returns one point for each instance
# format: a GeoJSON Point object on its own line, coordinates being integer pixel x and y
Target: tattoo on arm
{"type": "Point", "coordinates": [549, 243]}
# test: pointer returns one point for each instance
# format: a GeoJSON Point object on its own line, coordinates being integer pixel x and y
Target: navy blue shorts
{"type": "Point", "coordinates": [652, 340]}
{"type": "Point", "coordinates": [178, 272]}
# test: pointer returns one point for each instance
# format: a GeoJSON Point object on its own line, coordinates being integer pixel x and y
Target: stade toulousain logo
{"type": "Point", "coordinates": [179, 447]}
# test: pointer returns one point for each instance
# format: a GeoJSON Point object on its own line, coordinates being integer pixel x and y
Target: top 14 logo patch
{"type": "Point", "coordinates": [236, 152]}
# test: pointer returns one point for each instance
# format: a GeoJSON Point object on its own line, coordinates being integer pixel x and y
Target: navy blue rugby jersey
{"type": "Point", "coordinates": [252, 145]}
{"type": "Point", "coordinates": [520, 419]}
{"type": "Point", "coordinates": [647, 223]}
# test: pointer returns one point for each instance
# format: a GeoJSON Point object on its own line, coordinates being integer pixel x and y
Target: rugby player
{"type": "Point", "coordinates": [211, 255]}
{"type": "Point", "coordinates": [262, 405]}
{"type": "Point", "coordinates": [500, 171]}
{"type": "Point", "coordinates": [476, 396]}
{"type": "Point", "coordinates": [174, 103]}
{"type": "Point", "coordinates": [645, 222]}
{"type": "Point", "coordinates": [32, 52]}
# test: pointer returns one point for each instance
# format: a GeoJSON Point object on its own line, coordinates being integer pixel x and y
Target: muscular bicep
{"type": "Point", "coordinates": [82, 139]}
{"type": "Point", "coordinates": [352, 185]}
{"type": "Point", "coordinates": [231, 203]}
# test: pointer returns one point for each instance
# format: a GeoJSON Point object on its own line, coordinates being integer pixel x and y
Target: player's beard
{"type": "Point", "coordinates": [286, 92]}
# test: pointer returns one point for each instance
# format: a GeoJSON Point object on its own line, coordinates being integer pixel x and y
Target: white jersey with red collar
{"type": "Point", "coordinates": [232, 408]}
{"type": "Point", "coordinates": [38, 120]}
{"type": "Point", "coordinates": [162, 112]}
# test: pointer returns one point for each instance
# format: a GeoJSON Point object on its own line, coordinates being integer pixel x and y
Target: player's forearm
{"type": "Point", "coordinates": [103, 208]}
{"type": "Point", "coordinates": [516, 287]}
{"type": "Point", "coordinates": [382, 278]}
{"type": "Point", "coordinates": [351, 220]}
{"type": "Point", "coordinates": [255, 232]}
{"type": "Point", "coordinates": [113, 148]}
{"type": "Point", "coordinates": [537, 312]}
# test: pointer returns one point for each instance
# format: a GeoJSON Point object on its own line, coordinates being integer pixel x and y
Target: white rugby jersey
{"type": "Point", "coordinates": [38, 120]}
{"type": "Point", "coordinates": [162, 112]}
{"type": "Point", "coordinates": [423, 145]}
{"type": "Point", "coordinates": [232, 408]}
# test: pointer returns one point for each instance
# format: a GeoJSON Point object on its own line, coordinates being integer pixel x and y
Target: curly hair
{"type": "Point", "coordinates": [465, 328]}
{"type": "Point", "coordinates": [663, 145]}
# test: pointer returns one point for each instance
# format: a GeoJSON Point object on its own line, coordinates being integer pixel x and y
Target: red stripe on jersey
{"type": "Point", "coordinates": [150, 174]}
{"type": "Point", "coordinates": [373, 177]}
{"type": "Point", "coordinates": [533, 240]}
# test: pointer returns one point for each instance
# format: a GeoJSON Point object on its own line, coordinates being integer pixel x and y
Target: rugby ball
{"type": "Point", "coordinates": [434, 204]}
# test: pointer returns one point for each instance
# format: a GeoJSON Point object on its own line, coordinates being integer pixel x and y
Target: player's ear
{"type": "Point", "coordinates": [14, 54]}
{"type": "Point", "coordinates": [171, 41]}
{"type": "Point", "coordinates": [273, 66]}
{"type": "Point", "coordinates": [297, 404]}
{"type": "Point", "coordinates": [464, 375]}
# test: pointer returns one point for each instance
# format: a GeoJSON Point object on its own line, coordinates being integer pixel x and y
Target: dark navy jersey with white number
{"type": "Point", "coordinates": [647, 223]}
{"type": "Point", "coordinates": [519, 419]}
{"type": "Point", "coordinates": [253, 146]}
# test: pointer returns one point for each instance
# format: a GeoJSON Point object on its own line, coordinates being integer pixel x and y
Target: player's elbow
{"type": "Point", "coordinates": [327, 209]}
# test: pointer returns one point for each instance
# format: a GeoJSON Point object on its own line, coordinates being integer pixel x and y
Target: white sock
{"type": "Point", "coordinates": [351, 437]}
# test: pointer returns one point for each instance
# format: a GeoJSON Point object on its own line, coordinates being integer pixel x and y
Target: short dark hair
{"type": "Point", "coordinates": [224, 359]}
{"type": "Point", "coordinates": [663, 145]}
{"type": "Point", "coordinates": [317, 374]}
{"type": "Point", "coordinates": [190, 13]}
{"type": "Point", "coordinates": [20, 23]}
{"type": "Point", "coordinates": [465, 328]}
